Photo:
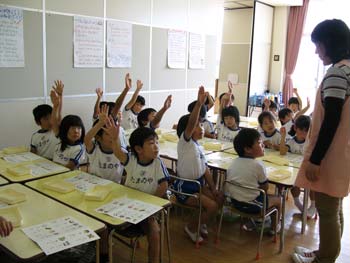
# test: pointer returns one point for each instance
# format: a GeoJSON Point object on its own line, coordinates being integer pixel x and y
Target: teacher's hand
{"type": "Point", "coordinates": [312, 172]}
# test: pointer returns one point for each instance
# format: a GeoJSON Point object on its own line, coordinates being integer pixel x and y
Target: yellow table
{"type": "Point", "coordinates": [77, 201]}
{"type": "Point", "coordinates": [40, 168]}
{"type": "Point", "coordinates": [36, 210]}
{"type": "Point", "coordinates": [291, 159]}
{"type": "Point", "coordinates": [3, 181]}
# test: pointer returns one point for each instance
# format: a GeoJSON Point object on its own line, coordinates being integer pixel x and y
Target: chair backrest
{"type": "Point", "coordinates": [174, 178]}
{"type": "Point", "coordinates": [249, 188]}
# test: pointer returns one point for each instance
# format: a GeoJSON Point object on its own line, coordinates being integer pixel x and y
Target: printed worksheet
{"type": "Point", "coordinates": [21, 157]}
{"type": "Point", "coordinates": [44, 168]}
{"type": "Point", "coordinates": [60, 234]}
{"type": "Point", "coordinates": [130, 210]}
{"type": "Point", "coordinates": [84, 182]}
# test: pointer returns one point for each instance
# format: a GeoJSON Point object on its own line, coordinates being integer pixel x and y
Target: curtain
{"type": "Point", "coordinates": [296, 20]}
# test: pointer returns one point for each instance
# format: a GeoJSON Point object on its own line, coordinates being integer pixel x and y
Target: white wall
{"type": "Point", "coordinates": [199, 16]}
{"type": "Point", "coordinates": [279, 41]}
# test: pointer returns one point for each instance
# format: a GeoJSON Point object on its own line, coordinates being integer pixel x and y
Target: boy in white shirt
{"type": "Point", "coordinates": [145, 172]}
{"type": "Point", "coordinates": [44, 141]}
{"type": "Point", "coordinates": [192, 165]}
{"type": "Point", "coordinates": [248, 171]}
{"type": "Point", "coordinates": [285, 116]}
{"type": "Point", "coordinates": [133, 107]}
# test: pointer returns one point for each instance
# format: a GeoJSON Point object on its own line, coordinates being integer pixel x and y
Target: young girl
{"type": "Point", "coordinates": [192, 165]}
{"type": "Point", "coordinates": [70, 150]}
{"type": "Point", "coordinates": [98, 143]}
{"type": "Point", "coordinates": [228, 128]}
{"type": "Point", "coordinates": [270, 135]}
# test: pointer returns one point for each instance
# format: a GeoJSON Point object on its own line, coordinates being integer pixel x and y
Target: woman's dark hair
{"type": "Point", "coordinates": [334, 35]}
{"type": "Point", "coordinates": [66, 123]}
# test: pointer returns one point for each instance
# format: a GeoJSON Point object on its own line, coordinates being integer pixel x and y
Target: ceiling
{"type": "Point", "coordinates": [238, 4]}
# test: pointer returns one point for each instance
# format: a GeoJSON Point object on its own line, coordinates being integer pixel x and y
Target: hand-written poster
{"type": "Point", "coordinates": [88, 42]}
{"type": "Point", "coordinates": [11, 37]}
{"type": "Point", "coordinates": [197, 51]}
{"type": "Point", "coordinates": [119, 44]}
{"type": "Point", "coordinates": [176, 49]}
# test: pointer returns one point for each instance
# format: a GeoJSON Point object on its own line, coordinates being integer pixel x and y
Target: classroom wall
{"type": "Point", "coordinates": [48, 43]}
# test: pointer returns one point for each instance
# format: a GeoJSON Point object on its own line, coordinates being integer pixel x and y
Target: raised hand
{"type": "Point", "coordinates": [230, 86]}
{"type": "Point", "coordinates": [202, 95]}
{"type": "Point", "coordinates": [267, 103]}
{"type": "Point", "coordinates": [112, 128]}
{"type": "Point", "coordinates": [58, 87]}
{"type": "Point", "coordinates": [103, 115]}
{"type": "Point", "coordinates": [55, 99]}
{"type": "Point", "coordinates": [167, 102]}
{"type": "Point", "coordinates": [295, 90]}
{"type": "Point", "coordinates": [128, 81]}
{"type": "Point", "coordinates": [99, 92]}
{"type": "Point", "coordinates": [139, 84]}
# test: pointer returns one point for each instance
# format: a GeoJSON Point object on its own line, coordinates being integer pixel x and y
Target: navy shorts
{"type": "Point", "coordinates": [251, 208]}
{"type": "Point", "coordinates": [188, 188]}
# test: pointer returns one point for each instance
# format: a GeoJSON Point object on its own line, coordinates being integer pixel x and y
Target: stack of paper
{"type": "Point", "coordinates": [212, 146]}
{"type": "Point", "coordinates": [59, 186]}
{"type": "Point", "coordinates": [276, 160]}
{"type": "Point", "coordinates": [170, 137]}
{"type": "Point", "coordinates": [278, 175]}
{"type": "Point", "coordinates": [98, 193]}
{"type": "Point", "coordinates": [11, 197]}
{"type": "Point", "coordinates": [19, 171]}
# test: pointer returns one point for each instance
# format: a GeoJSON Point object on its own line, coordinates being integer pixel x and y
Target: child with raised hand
{"type": "Point", "coordinates": [145, 172]}
{"type": "Point", "coordinates": [225, 100]}
{"type": "Point", "coordinates": [248, 171]}
{"type": "Point", "coordinates": [228, 128]}
{"type": "Point", "coordinates": [43, 142]}
{"type": "Point", "coordinates": [270, 136]}
{"type": "Point", "coordinates": [70, 150]}
{"type": "Point", "coordinates": [296, 145]}
{"type": "Point", "coordinates": [98, 104]}
{"type": "Point", "coordinates": [98, 143]}
{"type": "Point", "coordinates": [270, 106]}
{"type": "Point", "coordinates": [151, 118]}
{"type": "Point", "coordinates": [192, 165]}
{"type": "Point", "coordinates": [295, 104]}
{"type": "Point", "coordinates": [285, 116]}
{"type": "Point", "coordinates": [133, 107]}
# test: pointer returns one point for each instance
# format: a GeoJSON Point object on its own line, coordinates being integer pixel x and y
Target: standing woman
{"type": "Point", "coordinates": [326, 165]}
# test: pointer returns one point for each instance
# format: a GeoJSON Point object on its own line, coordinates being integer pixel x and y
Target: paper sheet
{"type": "Point", "coordinates": [130, 210]}
{"type": "Point", "coordinates": [60, 234]}
{"type": "Point", "coordinates": [85, 182]}
{"type": "Point", "coordinates": [197, 51]}
{"type": "Point", "coordinates": [176, 49]}
{"type": "Point", "coordinates": [22, 157]}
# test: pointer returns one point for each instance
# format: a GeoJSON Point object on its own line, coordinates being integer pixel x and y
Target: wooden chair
{"type": "Point", "coordinates": [264, 213]}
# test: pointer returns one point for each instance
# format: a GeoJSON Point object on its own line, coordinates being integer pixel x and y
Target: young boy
{"type": "Point", "coordinates": [225, 100]}
{"type": "Point", "coordinates": [296, 145]}
{"type": "Point", "coordinates": [145, 172]}
{"type": "Point", "coordinates": [192, 165]}
{"type": "Point", "coordinates": [285, 116]}
{"type": "Point", "coordinates": [133, 107]}
{"type": "Point", "coordinates": [248, 171]}
{"type": "Point", "coordinates": [151, 118]}
{"type": "Point", "coordinates": [44, 141]}
{"type": "Point", "coordinates": [295, 104]}
{"type": "Point", "coordinates": [208, 127]}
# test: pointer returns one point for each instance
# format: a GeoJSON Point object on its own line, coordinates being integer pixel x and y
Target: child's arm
{"type": "Point", "coordinates": [209, 180]}
{"type": "Point", "coordinates": [161, 190]}
{"type": "Point", "coordinates": [267, 104]}
{"type": "Point", "coordinates": [160, 113]}
{"type": "Point", "coordinates": [58, 88]}
{"type": "Point", "coordinates": [71, 165]}
{"type": "Point", "coordinates": [195, 113]}
{"type": "Point", "coordinates": [132, 101]}
{"type": "Point", "coordinates": [6, 227]}
{"type": "Point", "coordinates": [113, 130]}
{"type": "Point", "coordinates": [283, 147]}
{"type": "Point", "coordinates": [54, 115]}
{"type": "Point", "coordinates": [304, 110]}
{"type": "Point", "coordinates": [295, 90]}
{"type": "Point", "coordinates": [89, 137]}
{"type": "Point", "coordinates": [99, 93]}
{"type": "Point", "coordinates": [211, 102]}
{"type": "Point", "coordinates": [120, 99]}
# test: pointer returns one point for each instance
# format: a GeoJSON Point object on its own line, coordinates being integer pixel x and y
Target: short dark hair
{"type": "Point", "coordinates": [110, 105]}
{"type": "Point", "coordinates": [140, 100]}
{"type": "Point", "coordinates": [222, 94]}
{"type": "Point", "coordinates": [293, 100]}
{"type": "Point", "coordinates": [143, 116]}
{"type": "Point", "coordinates": [67, 122]}
{"type": "Point", "coordinates": [334, 35]}
{"type": "Point", "coordinates": [245, 138]}
{"type": "Point", "coordinates": [182, 124]}
{"type": "Point", "coordinates": [41, 111]}
{"type": "Point", "coordinates": [302, 122]}
{"type": "Point", "coordinates": [273, 105]}
{"type": "Point", "coordinates": [231, 111]}
{"type": "Point", "coordinates": [139, 136]}
{"type": "Point", "coordinates": [202, 111]}
{"type": "Point", "coordinates": [265, 114]}
{"type": "Point", "coordinates": [284, 113]}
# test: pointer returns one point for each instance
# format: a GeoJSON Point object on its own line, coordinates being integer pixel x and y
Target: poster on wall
{"type": "Point", "coordinates": [176, 49]}
{"type": "Point", "coordinates": [119, 44]}
{"type": "Point", "coordinates": [88, 42]}
{"type": "Point", "coordinates": [197, 51]}
{"type": "Point", "coordinates": [11, 38]}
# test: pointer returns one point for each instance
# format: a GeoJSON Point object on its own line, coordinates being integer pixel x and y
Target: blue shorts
{"type": "Point", "coordinates": [251, 208]}
{"type": "Point", "coordinates": [188, 188]}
